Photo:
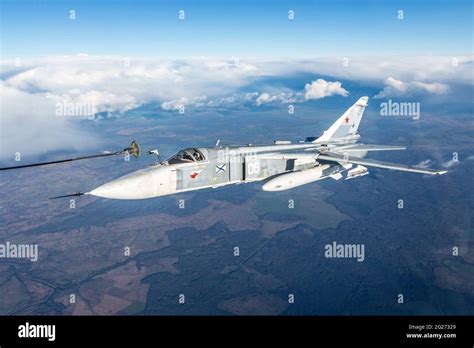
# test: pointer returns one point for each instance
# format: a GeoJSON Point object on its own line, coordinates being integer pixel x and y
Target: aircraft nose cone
{"type": "Point", "coordinates": [137, 185]}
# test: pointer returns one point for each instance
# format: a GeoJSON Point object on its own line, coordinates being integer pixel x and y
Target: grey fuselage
{"type": "Point", "coordinates": [215, 167]}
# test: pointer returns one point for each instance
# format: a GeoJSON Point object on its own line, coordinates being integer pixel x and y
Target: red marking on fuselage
{"type": "Point", "coordinates": [193, 175]}
{"type": "Point", "coordinates": [347, 119]}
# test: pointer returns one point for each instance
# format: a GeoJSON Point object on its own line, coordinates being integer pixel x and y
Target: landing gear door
{"type": "Point", "coordinates": [258, 168]}
{"type": "Point", "coordinates": [236, 168]}
{"type": "Point", "coordinates": [253, 168]}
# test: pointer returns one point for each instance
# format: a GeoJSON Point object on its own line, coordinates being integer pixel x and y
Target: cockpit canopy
{"type": "Point", "coordinates": [186, 156]}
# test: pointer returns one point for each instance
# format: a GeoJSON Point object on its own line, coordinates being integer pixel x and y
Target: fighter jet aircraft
{"type": "Point", "coordinates": [282, 165]}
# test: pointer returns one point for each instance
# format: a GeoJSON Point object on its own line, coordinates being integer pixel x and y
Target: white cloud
{"type": "Point", "coordinates": [450, 163]}
{"type": "Point", "coordinates": [29, 125]}
{"type": "Point", "coordinates": [397, 88]}
{"type": "Point", "coordinates": [373, 70]}
{"type": "Point", "coordinates": [447, 164]}
{"type": "Point", "coordinates": [282, 97]}
{"type": "Point", "coordinates": [30, 93]}
{"type": "Point", "coordinates": [321, 88]}
{"type": "Point", "coordinates": [177, 104]}
{"type": "Point", "coordinates": [250, 96]}
{"type": "Point", "coordinates": [136, 81]}
{"type": "Point", "coordinates": [265, 98]}
{"type": "Point", "coordinates": [316, 90]}
{"type": "Point", "coordinates": [424, 164]}
{"type": "Point", "coordinates": [453, 162]}
{"type": "Point", "coordinates": [435, 88]}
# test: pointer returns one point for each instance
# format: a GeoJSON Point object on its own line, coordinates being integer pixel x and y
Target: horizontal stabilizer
{"type": "Point", "coordinates": [333, 157]}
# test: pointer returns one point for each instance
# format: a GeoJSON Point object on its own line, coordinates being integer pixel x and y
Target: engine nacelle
{"type": "Point", "coordinates": [295, 179]}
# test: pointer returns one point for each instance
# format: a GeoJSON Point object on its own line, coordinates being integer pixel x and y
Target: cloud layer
{"type": "Point", "coordinates": [43, 98]}
{"type": "Point", "coordinates": [33, 92]}
{"type": "Point", "coordinates": [398, 88]}
{"type": "Point", "coordinates": [320, 89]}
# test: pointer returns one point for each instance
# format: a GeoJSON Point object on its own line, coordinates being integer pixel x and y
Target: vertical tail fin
{"type": "Point", "coordinates": [346, 127]}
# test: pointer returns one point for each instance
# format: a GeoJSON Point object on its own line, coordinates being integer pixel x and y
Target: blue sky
{"type": "Point", "coordinates": [236, 28]}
